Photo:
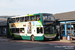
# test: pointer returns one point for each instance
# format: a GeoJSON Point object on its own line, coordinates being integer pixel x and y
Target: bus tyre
{"type": "Point", "coordinates": [32, 38]}
{"type": "Point", "coordinates": [12, 37]}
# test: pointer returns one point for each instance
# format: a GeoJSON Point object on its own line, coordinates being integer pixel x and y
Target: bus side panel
{"type": "Point", "coordinates": [22, 37]}
{"type": "Point", "coordinates": [26, 37]}
{"type": "Point", "coordinates": [39, 37]}
{"type": "Point", "coordinates": [17, 37]}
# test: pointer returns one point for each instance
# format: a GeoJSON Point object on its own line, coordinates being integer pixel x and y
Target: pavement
{"type": "Point", "coordinates": [60, 42]}
{"type": "Point", "coordinates": [73, 41]}
{"type": "Point", "coordinates": [4, 39]}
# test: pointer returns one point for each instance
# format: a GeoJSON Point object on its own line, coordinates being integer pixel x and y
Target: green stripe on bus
{"type": "Point", "coordinates": [26, 37]}
{"type": "Point", "coordinates": [41, 19]}
{"type": "Point", "coordinates": [40, 22]}
{"type": "Point", "coordinates": [37, 14]}
{"type": "Point", "coordinates": [39, 37]}
{"type": "Point", "coordinates": [29, 37]}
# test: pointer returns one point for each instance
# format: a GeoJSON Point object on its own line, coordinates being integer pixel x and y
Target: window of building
{"type": "Point", "coordinates": [68, 29]}
{"type": "Point", "coordinates": [68, 32]}
{"type": "Point", "coordinates": [27, 18]}
{"type": "Point", "coordinates": [21, 19]}
{"type": "Point", "coordinates": [63, 29]}
{"type": "Point", "coordinates": [39, 30]}
{"type": "Point", "coordinates": [68, 26]}
{"type": "Point", "coordinates": [63, 33]}
{"type": "Point", "coordinates": [74, 34]}
{"type": "Point", "coordinates": [32, 18]}
{"type": "Point", "coordinates": [72, 27]}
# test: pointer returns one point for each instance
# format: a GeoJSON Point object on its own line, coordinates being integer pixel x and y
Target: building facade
{"type": "Point", "coordinates": [3, 25]}
{"type": "Point", "coordinates": [67, 24]}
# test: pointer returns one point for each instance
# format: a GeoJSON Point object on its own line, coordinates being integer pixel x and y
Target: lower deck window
{"type": "Point", "coordinates": [17, 30]}
{"type": "Point", "coordinates": [21, 30]}
{"type": "Point", "coordinates": [13, 30]}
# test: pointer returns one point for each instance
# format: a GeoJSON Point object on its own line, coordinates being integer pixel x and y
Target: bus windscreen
{"type": "Point", "coordinates": [48, 17]}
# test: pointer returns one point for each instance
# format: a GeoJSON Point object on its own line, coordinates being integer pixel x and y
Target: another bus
{"type": "Point", "coordinates": [40, 26]}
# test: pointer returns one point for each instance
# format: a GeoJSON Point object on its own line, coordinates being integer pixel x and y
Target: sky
{"type": "Point", "coordinates": [24, 7]}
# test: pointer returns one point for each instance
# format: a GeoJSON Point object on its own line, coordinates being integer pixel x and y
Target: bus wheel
{"type": "Point", "coordinates": [32, 38]}
{"type": "Point", "coordinates": [12, 37]}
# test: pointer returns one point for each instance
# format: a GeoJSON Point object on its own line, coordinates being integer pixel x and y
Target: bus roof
{"type": "Point", "coordinates": [28, 15]}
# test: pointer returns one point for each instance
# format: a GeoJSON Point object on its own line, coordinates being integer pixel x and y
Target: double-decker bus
{"type": "Point", "coordinates": [40, 26]}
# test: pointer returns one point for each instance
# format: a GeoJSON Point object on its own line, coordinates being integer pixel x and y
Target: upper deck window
{"type": "Point", "coordinates": [48, 17]}
{"type": "Point", "coordinates": [32, 18]}
{"type": "Point", "coordinates": [11, 20]}
{"type": "Point", "coordinates": [17, 20]}
{"type": "Point", "coordinates": [37, 17]}
{"type": "Point", "coordinates": [27, 18]}
{"type": "Point", "coordinates": [21, 19]}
